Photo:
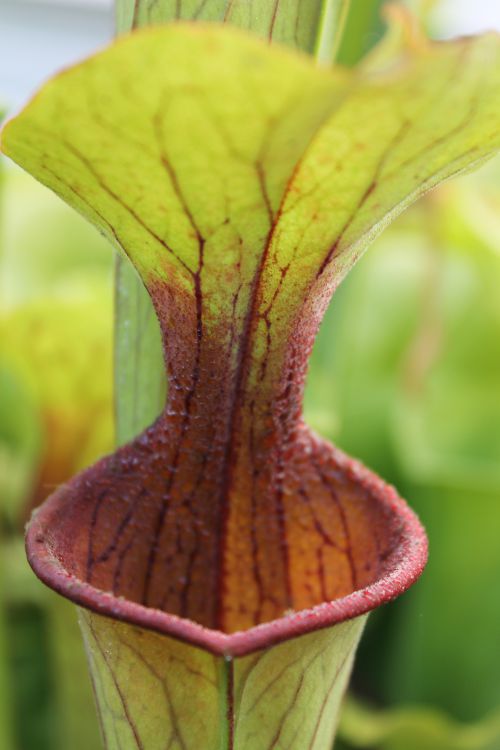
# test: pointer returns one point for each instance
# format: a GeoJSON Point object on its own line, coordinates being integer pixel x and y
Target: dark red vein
{"type": "Point", "coordinates": [287, 713]}
{"type": "Point", "coordinates": [229, 8]}
{"type": "Point", "coordinates": [273, 681]}
{"type": "Point", "coordinates": [324, 702]}
{"type": "Point", "coordinates": [343, 519]}
{"type": "Point", "coordinates": [241, 375]}
{"type": "Point", "coordinates": [93, 521]}
{"type": "Point", "coordinates": [118, 689]}
{"type": "Point", "coordinates": [109, 191]}
{"type": "Point", "coordinates": [176, 733]}
{"type": "Point", "coordinates": [273, 19]}
{"type": "Point", "coordinates": [153, 554]}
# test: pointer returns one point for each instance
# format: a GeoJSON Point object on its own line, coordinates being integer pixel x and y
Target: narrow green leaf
{"type": "Point", "coordinates": [140, 384]}
{"type": "Point", "coordinates": [363, 29]}
{"type": "Point", "coordinates": [331, 26]}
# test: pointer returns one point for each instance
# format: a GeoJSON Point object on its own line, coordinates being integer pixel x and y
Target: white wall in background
{"type": "Point", "coordinates": [467, 16]}
{"type": "Point", "coordinates": [38, 37]}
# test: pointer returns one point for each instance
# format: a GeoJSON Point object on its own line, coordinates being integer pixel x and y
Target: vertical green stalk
{"type": "Point", "coordinates": [140, 384]}
{"type": "Point", "coordinates": [363, 28]}
{"type": "Point", "coordinates": [315, 27]}
{"type": "Point", "coordinates": [331, 27]}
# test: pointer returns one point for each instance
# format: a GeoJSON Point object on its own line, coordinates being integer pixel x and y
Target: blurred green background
{"type": "Point", "coordinates": [405, 375]}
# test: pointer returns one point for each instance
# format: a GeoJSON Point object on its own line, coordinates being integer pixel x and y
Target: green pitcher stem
{"type": "Point", "coordinates": [314, 27]}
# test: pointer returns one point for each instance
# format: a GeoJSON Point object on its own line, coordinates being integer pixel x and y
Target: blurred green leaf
{"type": "Point", "coordinates": [415, 729]}
{"type": "Point", "coordinates": [20, 444]}
{"type": "Point", "coordinates": [446, 435]}
{"type": "Point", "coordinates": [42, 242]}
{"type": "Point", "coordinates": [47, 672]}
{"type": "Point", "coordinates": [6, 733]}
{"type": "Point", "coordinates": [67, 405]}
{"type": "Point", "coordinates": [55, 416]}
{"type": "Point", "coordinates": [445, 649]}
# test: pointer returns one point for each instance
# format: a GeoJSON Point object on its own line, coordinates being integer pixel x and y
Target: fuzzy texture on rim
{"type": "Point", "coordinates": [403, 567]}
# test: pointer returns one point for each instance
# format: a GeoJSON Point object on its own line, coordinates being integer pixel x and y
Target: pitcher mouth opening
{"type": "Point", "coordinates": [50, 549]}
